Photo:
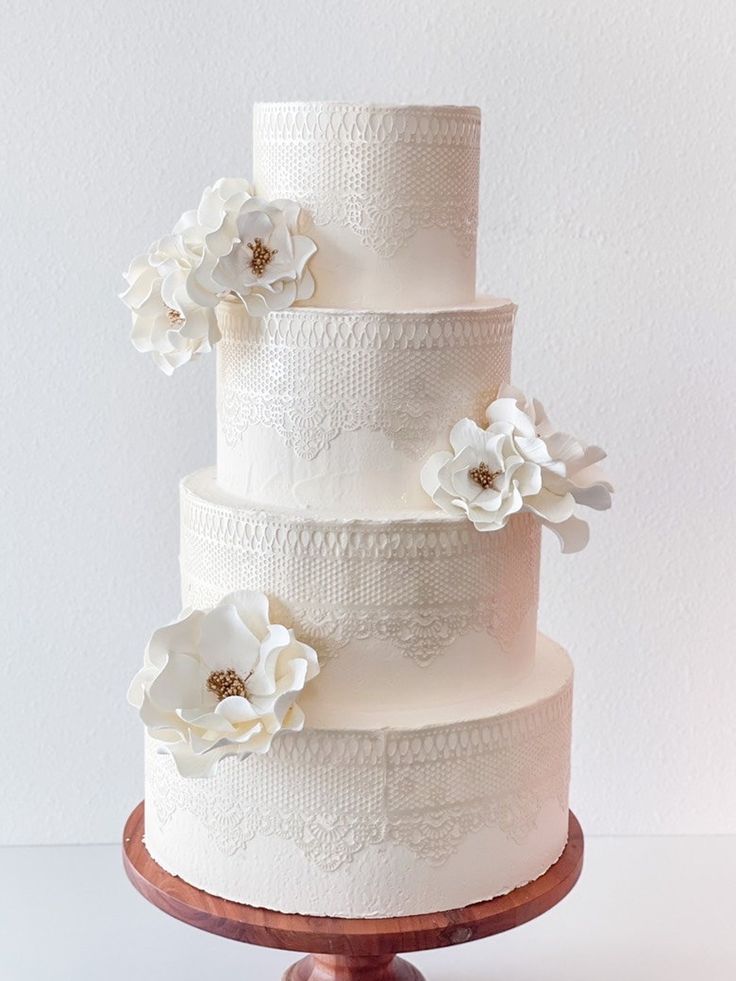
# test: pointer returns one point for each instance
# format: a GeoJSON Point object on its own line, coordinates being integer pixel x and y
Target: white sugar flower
{"type": "Point", "coordinates": [570, 471]}
{"type": "Point", "coordinates": [518, 463]}
{"type": "Point", "coordinates": [267, 264]}
{"type": "Point", "coordinates": [221, 682]}
{"type": "Point", "coordinates": [212, 228]}
{"type": "Point", "coordinates": [232, 243]}
{"type": "Point", "coordinates": [484, 477]}
{"type": "Point", "coordinates": [173, 316]}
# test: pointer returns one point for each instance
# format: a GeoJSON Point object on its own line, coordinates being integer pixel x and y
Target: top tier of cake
{"type": "Point", "coordinates": [390, 195]}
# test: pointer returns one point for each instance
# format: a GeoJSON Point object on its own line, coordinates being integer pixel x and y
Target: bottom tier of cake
{"type": "Point", "coordinates": [379, 822]}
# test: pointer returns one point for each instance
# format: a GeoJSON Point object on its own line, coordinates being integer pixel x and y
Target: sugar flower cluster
{"type": "Point", "coordinates": [233, 244]}
{"type": "Point", "coordinates": [518, 462]}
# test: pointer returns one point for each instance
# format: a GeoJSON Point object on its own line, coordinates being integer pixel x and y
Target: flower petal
{"type": "Point", "coordinates": [179, 684]}
{"type": "Point", "coordinates": [140, 684]}
{"type": "Point", "coordinates": [598, 496]}
{"type": "Point", "coordinates": [236, 710]}
{"type": "Point", "coordinates": [508, 410]}
{"type": "Point", "coordinates": [278, 297]}
{"type": "Point", "coordinates": [573, 533]}
{"type": "Point", "coordinates": [179, 637]}
{"type": "Point", "coordinates": [254, 224]}
{"type": "Point", "coordinates": [467, 433]}
{"type": "Point", "coordinates": [429, 476]}
{"type": "Point", "coordinates": [226, 642]}
{"type": "Point", "coordinates": [252, 607]}
{"type": "Point", "coordinates": [552, 507]}
{"type": "Point", "coordinates": [190, 764]}
{"type": "Point", "coordinates": [207, 725]}
{"type": "Point", "coordinates": [305, 287]}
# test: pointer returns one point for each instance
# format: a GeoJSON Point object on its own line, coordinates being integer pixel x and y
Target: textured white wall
{"type": "Point", "coordinates": [607, 213]}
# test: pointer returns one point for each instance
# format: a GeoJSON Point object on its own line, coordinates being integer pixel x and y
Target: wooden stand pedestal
{"type": "Point", "coordinates": [347, 950]}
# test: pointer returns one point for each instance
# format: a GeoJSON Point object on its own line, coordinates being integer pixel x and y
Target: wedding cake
{"type": "Point", "coordinates": [354, 714]}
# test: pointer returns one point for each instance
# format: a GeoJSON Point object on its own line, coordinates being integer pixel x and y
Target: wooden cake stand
{"type": "Point", "coordinates": [347, 950]}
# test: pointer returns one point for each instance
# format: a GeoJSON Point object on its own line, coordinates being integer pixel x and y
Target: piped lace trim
{"type": "Point", "coordinates": [312, 376]}
{"type": "Point", "coordinates": [335, 793]}
{"type": "Point", "coordinates": [418, 585]}
{"type": "Point", "coordinates": [383, 172]}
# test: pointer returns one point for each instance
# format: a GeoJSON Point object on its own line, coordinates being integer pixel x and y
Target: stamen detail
{"type": "Point", "coordinates": [226, 683]}
{"type": "Point", "coordinates": [261, 257]}
{"type": "Point", "coordinates": [483, 475]}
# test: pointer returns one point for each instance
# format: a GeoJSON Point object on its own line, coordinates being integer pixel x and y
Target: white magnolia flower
{"type": "Point", "coordinates": [569, 470]}
{"type": "Point", "coordinates": [232, 243]}
{"type": "Point", "coordinates": [173, 316]}
{"type": "Point", "coordinates": [518, 463]}
{"type": "Point", "coordinates": [267, 264]}
{"type": "Point", "coordinates": [484, 477]}
{"type": "Point", "coordinates": [215, 226]}
{"type": "Point", "coordinates": [221, 682]}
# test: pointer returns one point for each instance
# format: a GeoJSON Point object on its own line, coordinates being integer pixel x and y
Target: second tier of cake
{"type": "Point", "coordinates": [343, 406]}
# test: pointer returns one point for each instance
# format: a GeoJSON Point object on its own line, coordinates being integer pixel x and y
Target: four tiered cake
{"type": "Point", "coordinates": [354, 715]}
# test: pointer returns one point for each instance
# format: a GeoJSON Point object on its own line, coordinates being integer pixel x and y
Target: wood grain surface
{"type": "Point", "coordinates": [343, 937]}
{"type": "Point", "coordinates": [335, 967]}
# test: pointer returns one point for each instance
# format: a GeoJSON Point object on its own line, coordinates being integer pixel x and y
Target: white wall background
{"type": "Point", "coordinates": [607, 213]}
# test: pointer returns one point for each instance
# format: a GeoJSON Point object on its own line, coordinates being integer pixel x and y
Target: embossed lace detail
{"type": "Point", "coordinates": [418, 584]}
{"type": "Point", "coordinates": [311, 376]}
{"type": "Point", "coordinates": [335, 793]}
{"type": "Point", "coordinates": [369, 169]}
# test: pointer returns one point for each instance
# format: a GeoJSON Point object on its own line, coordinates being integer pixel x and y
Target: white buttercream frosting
{"type": "Point", "coordinates": [411, 609]}
{"type": "Point", "coordinates": [380, 822]}
{"type": "Point", "coordinates": [342, 406]}
{"type": "Point", "coordinates": [390, 195]}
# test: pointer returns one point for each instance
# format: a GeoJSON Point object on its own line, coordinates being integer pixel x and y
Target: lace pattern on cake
{"type": "Point", "coordinates": [335, 793]}
{"type": "Point", "coordinates": [415, 584]}
{"type": "Point", "coordinates": [313, 376]}
{"type": "Point", "coordinates": [367, 169]}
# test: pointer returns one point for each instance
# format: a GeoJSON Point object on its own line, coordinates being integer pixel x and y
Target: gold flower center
{"type": "Point", "coordinates": [261, 256]}
{"type": "Point", "coordinates": [175, 318]}
{"type": "Point", "coordinates": [226, 683]}
{"type": "Point", "coordinates": [483, 475]}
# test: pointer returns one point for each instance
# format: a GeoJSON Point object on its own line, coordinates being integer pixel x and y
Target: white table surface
{"type": "Point", "coordinates": [645, 908]}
